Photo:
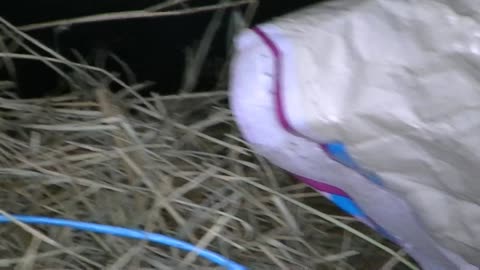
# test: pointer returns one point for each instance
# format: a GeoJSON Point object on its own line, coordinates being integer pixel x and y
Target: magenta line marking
{"type": "Point", "coordinates": [289, 128]}
{"type": "Point", "coordinates": [281, 113]}
{"type": "Point", "coordinates": [277, 83]}
{"type": "Point", "coordinates": [322, 186]}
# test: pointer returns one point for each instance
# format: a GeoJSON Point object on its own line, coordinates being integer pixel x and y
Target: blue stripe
{"type": "Point", "coordinates": [351, 208]}
{"type": "Point", "coordinates": [347, 205]}
{"type": "Point", "coordinates": [339, 153]}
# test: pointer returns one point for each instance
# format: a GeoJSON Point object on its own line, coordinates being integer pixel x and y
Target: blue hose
{"type": "Point", "coordinates": [127, 233]}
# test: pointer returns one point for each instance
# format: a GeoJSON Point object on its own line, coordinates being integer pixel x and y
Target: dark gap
{"type": "Point", "coordinates": [153, 48]}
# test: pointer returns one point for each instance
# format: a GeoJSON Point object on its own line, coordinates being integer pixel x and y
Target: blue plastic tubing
{"type": "Point", "coordinates": [127, 233]}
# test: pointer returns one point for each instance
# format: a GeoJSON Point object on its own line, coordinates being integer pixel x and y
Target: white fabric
{"type": "Point", "coordinates": [398, 83]}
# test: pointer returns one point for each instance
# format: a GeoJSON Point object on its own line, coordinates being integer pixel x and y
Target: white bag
{"type": "Point", "coordinates": [397, 83]}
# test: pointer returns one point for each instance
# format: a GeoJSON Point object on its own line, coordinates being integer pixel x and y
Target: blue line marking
{"type": "Point", "coordinates": [339, 153]}
{"type": "Point", "coordinates": [348, 205]}
{"type": "Point", "coordinates": [127, 233]}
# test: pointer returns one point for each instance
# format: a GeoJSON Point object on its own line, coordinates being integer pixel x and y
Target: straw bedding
{"type": "Point", "coordinates": [169, 164]}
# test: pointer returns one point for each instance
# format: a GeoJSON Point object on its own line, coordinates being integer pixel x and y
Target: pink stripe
{"type": "Point", "coordinates": [322, 186]}
{"type": "Point", "coordinates": [282, 116]}
{"type": "Point", "coordinates": [277, 83]}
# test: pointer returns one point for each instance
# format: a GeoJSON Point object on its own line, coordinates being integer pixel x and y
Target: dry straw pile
{"type": "Point", "coordinates": [169, 164]}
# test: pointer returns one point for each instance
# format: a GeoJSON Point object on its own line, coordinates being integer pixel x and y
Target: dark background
{"type": "Point", "coordinates": [153, 48]}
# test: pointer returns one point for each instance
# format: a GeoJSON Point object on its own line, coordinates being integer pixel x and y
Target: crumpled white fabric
{"type": "Point", "coordinates": [398, 83]}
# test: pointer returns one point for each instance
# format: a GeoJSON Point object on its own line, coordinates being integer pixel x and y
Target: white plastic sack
{"type": "Point", "coordinates": [397, 83]}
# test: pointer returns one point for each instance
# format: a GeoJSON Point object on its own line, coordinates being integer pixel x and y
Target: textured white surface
{"type": "Point", "coordinates": [398, 83]}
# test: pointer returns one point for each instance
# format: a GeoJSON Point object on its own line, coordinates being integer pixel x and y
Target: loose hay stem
{"type": "Point", "coordinates": [274, 259]}
{"type": "Point", "coordinates": [126, 15]}
{"type": "Point", "coordinates": [194, 132]}
{"type": "Point", "coordinates": [123, 260]}
{"type": "Point", "coordinates": [244, 224]}
{"type": "Point", "coordinates": [39, 256]}
{"type": "Point", "coordinates": [46, 239]}
{"type": "Point", "coordinates": [165, 5]}
{"type": "Point", "coordinates": [339, 224]}
{"type": "Point", "coordinates": [28, 260]}
{"type": "Point", "coordinates": [195, 64]}
{"type": "Point", "coordinates": [34, 54]}
{"type": "Point", "coordinates": [206, 239]}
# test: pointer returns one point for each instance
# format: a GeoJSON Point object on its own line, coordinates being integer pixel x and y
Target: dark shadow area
{"type": "Point", "coordinates": [154, 49]}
